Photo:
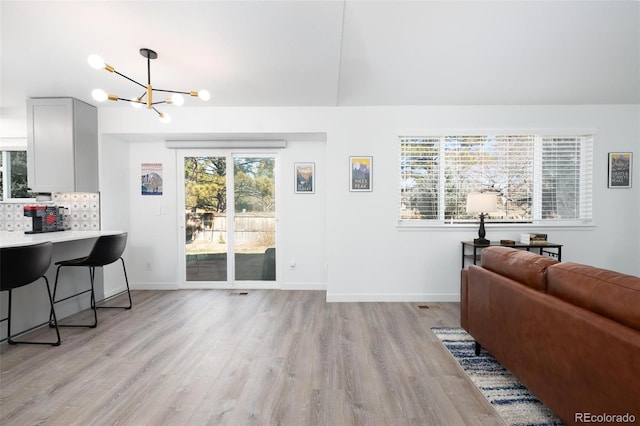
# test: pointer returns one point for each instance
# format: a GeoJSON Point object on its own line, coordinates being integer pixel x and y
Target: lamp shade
{"type": "Point", "coordinates": [482, 202]}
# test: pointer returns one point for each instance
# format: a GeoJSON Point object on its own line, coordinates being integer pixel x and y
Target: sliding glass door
{"type": "Point", "coordinates": [205, 220]}
{"type": "Point", "coordinates": [229, 219]}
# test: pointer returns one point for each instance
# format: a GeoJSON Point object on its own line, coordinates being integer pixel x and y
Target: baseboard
{"type": "Point", "coordinates": [113, 292]}
{"type": "Point", "coordinates": [153, 286]}
{"type": "Point", "coordinates": [331, 297]}
{"type": "Point", "coordinates": [222, 285]}
{"type": "Point", "coordinates": [198, 286]}
{"type": "Point", "coordinates": [426, 297]}
{"type": "Point", "coordinates": [304, 286]}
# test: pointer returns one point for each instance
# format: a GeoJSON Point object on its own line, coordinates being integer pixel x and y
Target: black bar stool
{"type": "Point", "coordinates": [106, 250]}
{"type": "Point", "coordinates": [24, 265]}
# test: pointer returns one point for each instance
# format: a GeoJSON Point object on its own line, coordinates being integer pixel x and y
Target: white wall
{"type": "Point", "coordinates": [154, 221]}
{"type": "Point", "coordinates": [302, 227]}
{"type": "Point", "coordinates": [13, 123]}
{"type": "Point", "coordinates": [115, 209]}
{"type": "Point", "coordinates": [367, 256]}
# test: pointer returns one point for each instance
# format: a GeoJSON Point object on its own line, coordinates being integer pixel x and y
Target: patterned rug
{"type": "Point", "coordinates": [507, 395]}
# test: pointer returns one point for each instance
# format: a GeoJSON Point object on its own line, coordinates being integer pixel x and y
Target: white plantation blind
{"type": "Point", "coordinates": [499, 164]}
{"type": "Point", "coordinates": [535, 177]}
{"type": "Point", "coordinates": [566, 181]}
{"type": "Point", "coordinates": [420, 187]}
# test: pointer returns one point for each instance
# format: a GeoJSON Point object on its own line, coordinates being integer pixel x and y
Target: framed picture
{"type": "Point", "coordinates": [151, 179]}
{"type": "Point", "coordinates": [360, 174]}
{"type": "Point", "coordinates": [620, 164]}
{"type": "Point", "coordinates": [305, 174]}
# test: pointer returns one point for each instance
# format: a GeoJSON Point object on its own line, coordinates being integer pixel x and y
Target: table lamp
{"type": "Point", "coordinates": [483, 203]}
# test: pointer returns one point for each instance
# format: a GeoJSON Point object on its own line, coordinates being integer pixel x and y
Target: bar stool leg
{"type": "Point", "coordinates": [126, 280]}
{"type": "Point", "coordinates": [92, 273]}
{"type": "Point", "coordinates": [53, 312]}
{"type": "Point", "coordinates": [11, 342]}
{"type": "Point", "coordinates": [93, 300]}
{"type": "Point", "coordinates": [53, 298]}
{"type": "Point", "coordinates": [55, 322]}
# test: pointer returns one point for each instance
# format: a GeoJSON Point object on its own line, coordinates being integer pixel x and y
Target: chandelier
{"type": "Point", "coordinates": [146, 98]}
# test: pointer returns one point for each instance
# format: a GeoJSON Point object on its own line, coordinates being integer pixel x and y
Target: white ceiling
{"type": "Point", "coordinates": [328, 53]}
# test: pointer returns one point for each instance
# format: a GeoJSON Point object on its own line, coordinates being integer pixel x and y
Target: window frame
{"type": "Point", "coordinates": [5, 171]}
{"type": "Point", "coordinates": [536, 222]}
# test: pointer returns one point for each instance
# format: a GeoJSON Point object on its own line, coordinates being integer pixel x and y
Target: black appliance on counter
{"type": "Point", "coordinates": [44, 219]}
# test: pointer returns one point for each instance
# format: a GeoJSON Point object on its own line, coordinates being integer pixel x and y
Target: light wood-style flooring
{"type": "Point", "coordinates": [200, 357]}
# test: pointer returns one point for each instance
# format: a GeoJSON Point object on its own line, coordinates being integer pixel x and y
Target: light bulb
{"type": "Point", "coordinates": [204, 95]}
{"type": "Point", "coordinates": [165, 118]}
{"type": "Point", "coordinates": [135, 102]}
{"type": "Point", "coordinates": [99, 95]}
{"type": "Point", "coordinates": [95, 61]}
{"type": "Point", "coordinates": [177, 99]}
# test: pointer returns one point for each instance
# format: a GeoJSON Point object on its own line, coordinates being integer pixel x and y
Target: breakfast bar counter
{"type": "Point", "coordinates": [31, 306]}
{"type": "Point", "coordinates": [16, 239]}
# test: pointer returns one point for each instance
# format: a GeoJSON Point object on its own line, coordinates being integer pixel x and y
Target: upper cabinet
{"type": "Point", "coordinates": [62, 145]}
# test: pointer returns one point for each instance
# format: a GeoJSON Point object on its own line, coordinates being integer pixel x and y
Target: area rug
{"type": "Point", "coordinates": [515, 404]}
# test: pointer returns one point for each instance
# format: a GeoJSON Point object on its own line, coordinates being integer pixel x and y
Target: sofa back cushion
{"type": "Point", "coordinates": [519, 265]}
{"type": "Point", "coordinates": [608, 293]}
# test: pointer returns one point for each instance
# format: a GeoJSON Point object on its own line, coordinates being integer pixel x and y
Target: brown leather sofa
{"type": "Point", "coordinates": [569, 332]}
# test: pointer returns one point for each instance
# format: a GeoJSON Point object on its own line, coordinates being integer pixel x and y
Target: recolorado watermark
{"type": "Point", "coordinates": [604, 418]}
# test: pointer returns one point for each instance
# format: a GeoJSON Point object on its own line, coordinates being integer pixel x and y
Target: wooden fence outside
{"type": "Point", "coordinates": [250, 228]}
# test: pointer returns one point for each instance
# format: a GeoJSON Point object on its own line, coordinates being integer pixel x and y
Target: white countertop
{"type": "Point", "coordinates": [15, 239]}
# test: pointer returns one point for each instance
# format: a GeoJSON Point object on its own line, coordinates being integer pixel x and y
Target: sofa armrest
{"type": "Point", "coordinates": [464, 299]}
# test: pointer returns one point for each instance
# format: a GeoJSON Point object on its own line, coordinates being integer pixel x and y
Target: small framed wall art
{"type": "Point", "coordinates": [360, 174]}
{"type": "Point", "coordinates": [620, 164]}
{"type": "Point", "coordinates": [305, 178]}
{"type": "Point", "coordinates": [151, 179]}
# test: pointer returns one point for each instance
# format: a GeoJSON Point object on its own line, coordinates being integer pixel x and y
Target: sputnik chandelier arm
{"type": "Point", "coordinates": [145, 98]}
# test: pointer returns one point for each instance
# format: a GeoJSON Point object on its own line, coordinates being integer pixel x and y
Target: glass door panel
{"type": "Point", "coordinates": [254, 234]}
{"type": "Point", "coordinates": [229, 219]}
{"type": "Point", "coordinates": [205, 193]}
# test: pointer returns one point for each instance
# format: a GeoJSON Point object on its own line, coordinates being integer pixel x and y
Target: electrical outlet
{"type": "Point", "coordinates": [147, 266]}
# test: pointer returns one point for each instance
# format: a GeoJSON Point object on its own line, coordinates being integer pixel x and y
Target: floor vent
{"type": "Point", "coordinates": [423, 307]}
{"type": "Point", "coordinates": [238, 293]}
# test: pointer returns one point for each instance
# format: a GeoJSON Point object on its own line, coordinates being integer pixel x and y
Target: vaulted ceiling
{"type": "Point", "coordinates": [328, 53]}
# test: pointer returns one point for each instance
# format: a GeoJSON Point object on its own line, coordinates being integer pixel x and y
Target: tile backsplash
{"type": "Point", "coordinates": [81, 212]}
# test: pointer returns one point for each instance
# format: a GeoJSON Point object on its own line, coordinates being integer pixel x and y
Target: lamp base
{"type": "Point", "coordinates": [481, 241]}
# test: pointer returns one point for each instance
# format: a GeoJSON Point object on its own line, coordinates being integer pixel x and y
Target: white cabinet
{"type": "Point", "coordinates": [62, 145]}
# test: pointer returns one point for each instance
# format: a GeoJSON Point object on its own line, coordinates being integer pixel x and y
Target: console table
{"type": "Point", "coordinates": [472, 251]}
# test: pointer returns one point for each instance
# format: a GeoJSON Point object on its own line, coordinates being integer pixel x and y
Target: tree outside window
{"type": "Point", "coordinates": [13, 175]}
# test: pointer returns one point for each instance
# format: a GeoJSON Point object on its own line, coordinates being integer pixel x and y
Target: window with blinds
{"type": "Point", "coordinates": [536, 178]}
